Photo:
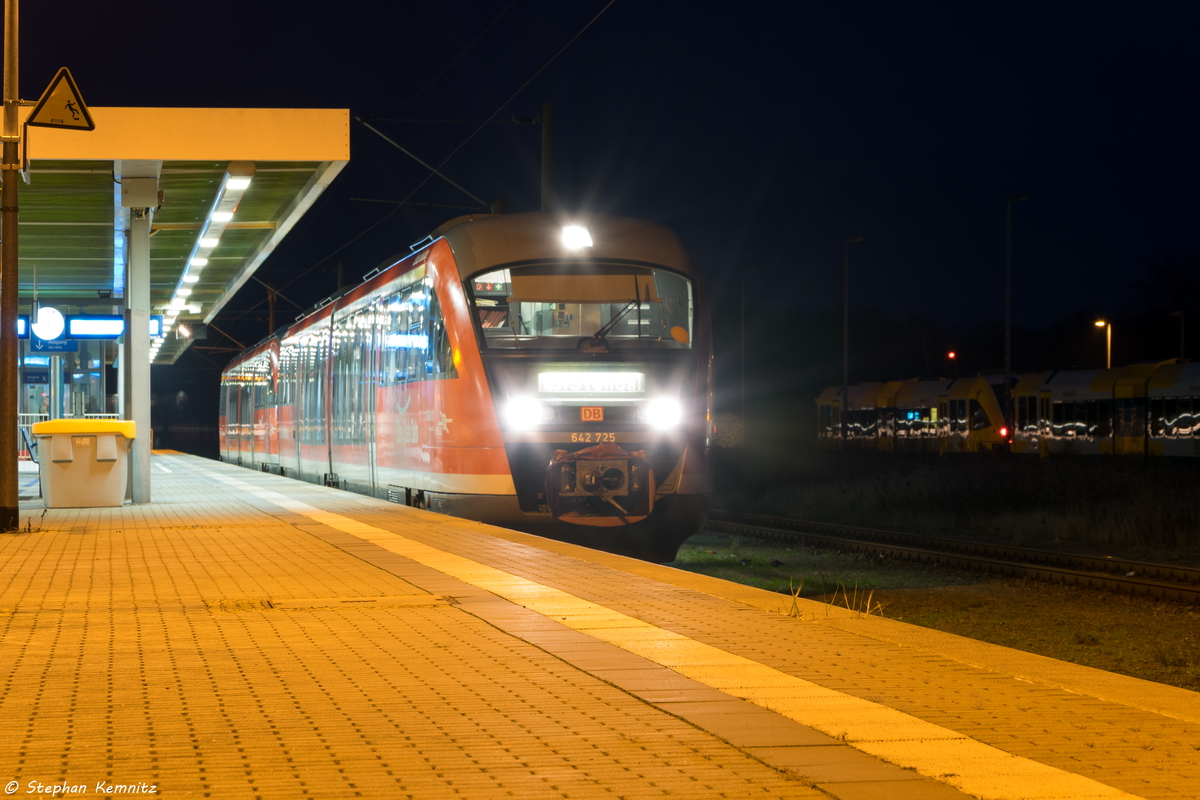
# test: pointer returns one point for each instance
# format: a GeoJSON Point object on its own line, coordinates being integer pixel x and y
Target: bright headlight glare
{"type": "Point", "coordinates": [524, 413]}
{"type": "Point", "coordinates": [663, 413]}
{"type": "Point", "coordinates": [576, 237]}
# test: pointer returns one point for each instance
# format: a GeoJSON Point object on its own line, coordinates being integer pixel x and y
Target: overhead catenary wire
{"type": "Point", "coordinates": [485, 123]}
{"type": "Point", "coordinates": [513, 96]}
{"type": "Point", "coordinates": [457, 58]}
{"type": "Point", "coordinates": [414, 157]}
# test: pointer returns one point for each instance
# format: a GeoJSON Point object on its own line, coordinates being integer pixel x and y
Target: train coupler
{"type": "Point", "coordinates": [602, 486]}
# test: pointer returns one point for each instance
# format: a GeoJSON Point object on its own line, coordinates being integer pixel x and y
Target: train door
{"type": "Point", "coordinates": [246, 421]}
{"type": "Point", "coordinates": [310, 406]}
{"type": "Point", "coordinates": [370, 351]}
{"type": "Point", "coordinates": [1130, 427]}
{"type": "Point", "coordinates": [286, 405]}
{"type": "Point", "coordinates": [943, 424]}
{"type": "Point", "coordinates": [351, 407]}
{"type": "Point", "coordinates": [1043, 427]}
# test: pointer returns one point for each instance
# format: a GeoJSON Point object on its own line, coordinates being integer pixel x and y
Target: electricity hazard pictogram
{"type": "Point", "coordinates": [62, 106]}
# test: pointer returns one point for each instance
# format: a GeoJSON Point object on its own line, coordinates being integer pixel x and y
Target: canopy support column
{"type": "Point", "coordinates": [136, 353]}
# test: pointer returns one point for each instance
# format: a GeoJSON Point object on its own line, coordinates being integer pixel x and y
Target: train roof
{"type": "Point", "coordinates": [922, 394]}
{"type": "Point", "coordinates": [1180, 379]}
{"type": "Point", "coordinates": [483, 241]}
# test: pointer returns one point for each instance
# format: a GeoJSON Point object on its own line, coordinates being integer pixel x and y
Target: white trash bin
{"type": "Point", "coordinates": [84, 463]}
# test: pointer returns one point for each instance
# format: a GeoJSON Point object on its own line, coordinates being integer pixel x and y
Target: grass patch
{"type": "Point", "coordinates": [1146, 509]}
{"type": "Point", "coordinates": [1133, 636]}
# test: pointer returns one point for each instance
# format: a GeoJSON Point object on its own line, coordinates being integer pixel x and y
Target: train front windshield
{"type": "Point", "coordinates": [553, 306]}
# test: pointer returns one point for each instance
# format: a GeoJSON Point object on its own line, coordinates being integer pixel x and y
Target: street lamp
{"type": "Point", "coordinates": [743, 359]}
{"type": "Point", "coordinates": [1100, 323]}
{"type": "Point", "coordinates": [846, 327]}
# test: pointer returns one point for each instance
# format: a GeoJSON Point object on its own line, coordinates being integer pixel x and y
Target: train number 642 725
{"type": "Point", "coordinates": [594, 437]}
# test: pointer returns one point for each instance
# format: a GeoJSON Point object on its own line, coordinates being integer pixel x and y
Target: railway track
{"type": "Point", "coordinates": [1136, 577]}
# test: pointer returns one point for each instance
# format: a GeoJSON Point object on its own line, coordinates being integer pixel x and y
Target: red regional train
{"type": "Point", "coordinates": [551, 378]}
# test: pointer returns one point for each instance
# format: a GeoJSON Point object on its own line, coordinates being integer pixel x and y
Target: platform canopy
{"type": "Point", "coordinates": [81, 185]}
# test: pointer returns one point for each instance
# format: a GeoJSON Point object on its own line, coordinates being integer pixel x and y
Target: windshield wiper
{"type": "Point", "coordinates": [600, 334]}
{"type": "Point", "coordinates": [637, 301]}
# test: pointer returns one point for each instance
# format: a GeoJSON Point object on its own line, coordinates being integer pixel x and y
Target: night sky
{"type": "Point", "coordinates": [764, 133]}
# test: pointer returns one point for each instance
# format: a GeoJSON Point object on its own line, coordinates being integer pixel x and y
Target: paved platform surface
{"type": "Point", "coordinates": [246, 635]}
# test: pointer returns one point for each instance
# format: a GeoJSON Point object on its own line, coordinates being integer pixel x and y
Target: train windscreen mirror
{"type": "Point", "coordinates": [680, 334]}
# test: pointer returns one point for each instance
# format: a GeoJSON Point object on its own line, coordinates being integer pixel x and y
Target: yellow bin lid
{"type": "Point", "coordinates": [83, 427]}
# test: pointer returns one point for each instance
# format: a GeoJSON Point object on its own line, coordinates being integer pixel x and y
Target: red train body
{"type": "Point", "coordinates": [502, 372]}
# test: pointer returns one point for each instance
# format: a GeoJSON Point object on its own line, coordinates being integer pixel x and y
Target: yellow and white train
{"type": "Point", "coordinates": [1143, 409]}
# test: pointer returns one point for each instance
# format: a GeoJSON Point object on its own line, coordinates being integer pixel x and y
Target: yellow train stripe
{"type": "Point", "coordinates": [936, 752]}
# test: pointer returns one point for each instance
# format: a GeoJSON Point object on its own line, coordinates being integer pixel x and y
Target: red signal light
{"type": "Point", "coordinates": [952, 355]}
{"type": "Point", "coordinates": [1004, 433]}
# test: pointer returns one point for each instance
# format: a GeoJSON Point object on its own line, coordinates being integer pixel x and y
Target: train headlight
{"type": "Point", "coordinates": [576, 237]}
{"type": "Point", "coordinates": [524, 413]}
{"type": "Point", "coordinates": [663, 413]}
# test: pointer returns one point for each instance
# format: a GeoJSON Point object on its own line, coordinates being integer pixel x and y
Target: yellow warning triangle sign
{"type": "Point", "coordinates": [62, 106]}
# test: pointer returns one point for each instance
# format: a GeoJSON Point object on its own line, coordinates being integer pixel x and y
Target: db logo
{"type": "Point", "coordinates": [591, 414]}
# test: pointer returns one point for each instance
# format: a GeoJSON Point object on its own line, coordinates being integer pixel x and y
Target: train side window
{"type": "Point", "coordinates": [1104, 418]}
{"type": "Point", "coordinates": [979, 417]}
{"type": "Point", "coordinates": [1162, 416]}
{"type": "Point", "coordinates": [1057, 413]}
{"type": "Point", "coordinates": [312, 428]}
{"type": "Point", "coordinates": [246, 407]}
{"type": "Point", "coordinates": [958, 415]}
{"type": "Point", "coordinates": [442, 353]}
{"type": "Point", "coordinates": [285, 393]}
{"type": "Point", "coordinates": [1022, 412]}
{"type": "Point", "coordinates": [1186, 421]}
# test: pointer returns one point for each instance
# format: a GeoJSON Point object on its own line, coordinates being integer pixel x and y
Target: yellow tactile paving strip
{"type": "Point", "coordinates": [902, 738]}
{"type": "Point", "coordinates": [303, 702]}
{"type": "Point", "coordinates": [1137, 736]}
{"type": "Point", "coordinates": [136, 652]}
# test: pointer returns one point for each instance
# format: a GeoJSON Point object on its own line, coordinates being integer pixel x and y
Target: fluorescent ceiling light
{"type": "Point", "coordinates": [209, 241]}
{"type": "Point", "coordinates": [199, 262]}
{"type": "Point", "coordinates": [237, 184]}
{"type": "Point", "coordinates": [221, 216]}
{"type": "Point", "coordinates": [190, 278]}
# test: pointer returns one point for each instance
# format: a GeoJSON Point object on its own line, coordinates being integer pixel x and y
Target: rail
{"type": "Point", "coordinates": [1136, 577]}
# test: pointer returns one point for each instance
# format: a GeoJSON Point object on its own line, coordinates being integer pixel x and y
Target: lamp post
{"type": "Point", "coordinates": [743, 358]}
{"type": "Point", "coordinates": [846, 328]}
{"type": "Point", "coordinates": [1016, 198]}
{"type": "Point", "coordinates": [1101, 323]}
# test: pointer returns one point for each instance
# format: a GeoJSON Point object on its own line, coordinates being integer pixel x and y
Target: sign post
{"type": "Point", "coordinates": [61, 106]}
{"type": "Point", "coordinates": [10, 516]}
